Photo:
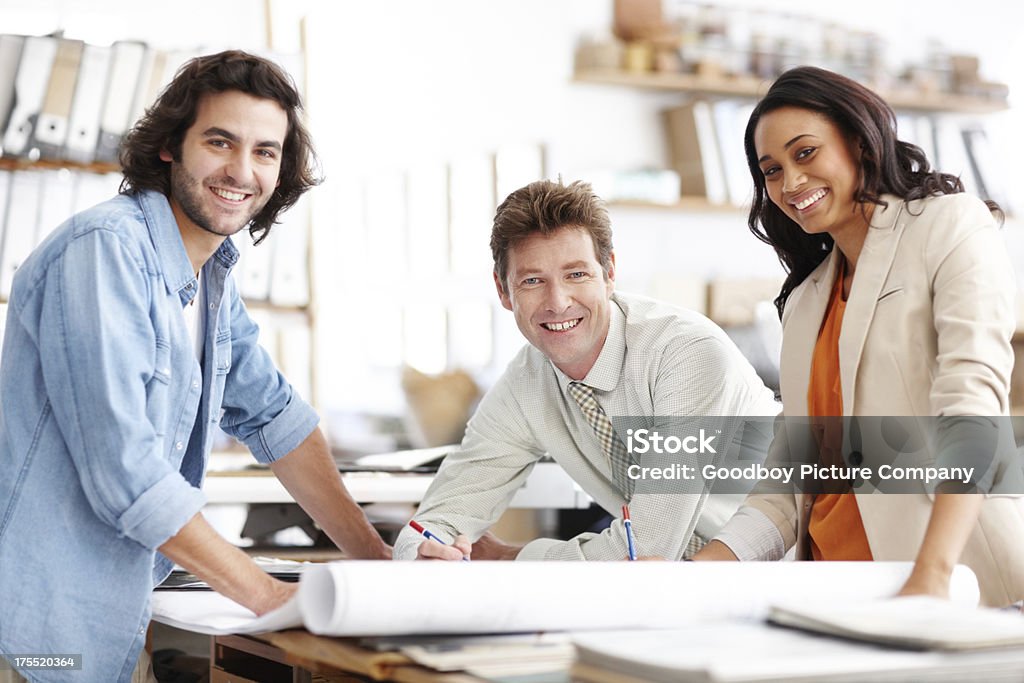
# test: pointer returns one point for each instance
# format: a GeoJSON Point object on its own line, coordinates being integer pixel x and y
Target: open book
{"type": "Point", "coordinates": [917, 622]}
{"type": "Point", "coordinates": [363, 598]}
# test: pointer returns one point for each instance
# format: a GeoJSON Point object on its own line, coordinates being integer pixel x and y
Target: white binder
{"type": "Point", "coordinates": [10, 57]}
{"type": "Point", "coordinates": [252, 274]}
{"type": "Point", "coordinates": [516, 165]}
{"type": "Point", "coordinates": [37, 57]}
{"type": "Point", "coordinates": [20, 225]}
{"type": "Point", "coordinates": [952, 152]}
{"type": "Point", "coordinates": [5, 186]}
{"type": "Point", "coordinates": [986, 163]}
{"type": "Point", "coordinates": [471, 191]}
{"type": "Point", "coordinates": [289, 281]}
{"type": "Point", "coordinates": [3, 323]}
{"type": "Point", "coordinates": [694, 151]}
{"type": "Point", "coordinates": [714, 176]}
{"type": "Point", "coordinates": [51, 131]}
{"type": "Point", "coordinates": [151, 74]}
{"type": "Point", "coordinates": [56, 201]}
{"type": "Point", "coordinates": [122, 80]}
{"type": "Point", "coordinates": [730, 123]}
{"type": "Point", "coordinates": [87, 105]}
{"type": "Point", "coordinates": [94, 188]}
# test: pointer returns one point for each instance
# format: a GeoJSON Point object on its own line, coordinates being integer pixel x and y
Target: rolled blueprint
{"type": "Point", "coordinates": [374, 598]}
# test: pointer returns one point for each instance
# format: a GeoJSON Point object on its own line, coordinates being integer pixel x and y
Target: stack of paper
{"type": "Point", "coordinates": [746, 651]}
{"type": "Point", "coordinates": [919, 622]}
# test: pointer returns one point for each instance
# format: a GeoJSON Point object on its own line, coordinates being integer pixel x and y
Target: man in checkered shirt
{"type": "Point", "coordinates": [593, 355]}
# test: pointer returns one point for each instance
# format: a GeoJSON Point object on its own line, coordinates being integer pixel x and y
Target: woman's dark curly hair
{"type": "Point", "coordinates": [887, 165]}
{"type": "Point", "coordinates": [165, 123]}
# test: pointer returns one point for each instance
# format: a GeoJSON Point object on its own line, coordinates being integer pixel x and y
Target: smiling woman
{"type": "Point", "coordinates": [898, 301]}
{"type": "Point", "coordinates": [811, 173]}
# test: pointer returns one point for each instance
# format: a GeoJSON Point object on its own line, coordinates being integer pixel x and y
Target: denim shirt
{"type": "Point", "coordinates": [106, 423]}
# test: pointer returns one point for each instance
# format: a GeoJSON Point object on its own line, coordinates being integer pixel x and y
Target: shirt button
{"type": "Point", "coordinates": [179, 445]}
{"type": "Point", "coordinates": [212, 306]}
{"type": "Point", "coordinates": [195, 384]}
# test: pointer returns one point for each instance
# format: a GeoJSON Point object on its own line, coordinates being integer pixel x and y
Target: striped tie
{"type": "Point", "coordinates": [618, 457]}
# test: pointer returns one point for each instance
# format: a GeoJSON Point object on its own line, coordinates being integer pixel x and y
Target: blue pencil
{"type": "Point", "coordinates": [629, 532]}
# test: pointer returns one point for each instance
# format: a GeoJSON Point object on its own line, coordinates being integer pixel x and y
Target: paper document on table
{"type": "Point", "coordinates": [735, 651]}
{"type": "Point", "coordinates": [486, 656]}
{"type": "Point", "coordinates": [919, 622]}
{"type": "Point", "coordinates": [181, 579]}
{"type": "Point", "coordinates": [361, 598]}
{"type": "Point", "coordinates": [213, 614]}
{"type": "Point", "coordinates": [402, 461]}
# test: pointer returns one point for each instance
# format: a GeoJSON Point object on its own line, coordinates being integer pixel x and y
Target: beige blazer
{"type": "Point", "coordinates": [926, 332]}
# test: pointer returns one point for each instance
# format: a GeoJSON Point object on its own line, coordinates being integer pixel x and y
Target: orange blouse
{"type": "Point", "coordinates": [835, 527]}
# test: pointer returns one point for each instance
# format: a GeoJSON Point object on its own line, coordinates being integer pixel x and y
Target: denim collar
{"type": "Point", "coordinates": [170, 249]}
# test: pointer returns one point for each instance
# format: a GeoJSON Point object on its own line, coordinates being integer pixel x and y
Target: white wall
{"type": "Point", "coordinates": [399, 82]}
{"type": "Point", "coordinates": [404, 81]}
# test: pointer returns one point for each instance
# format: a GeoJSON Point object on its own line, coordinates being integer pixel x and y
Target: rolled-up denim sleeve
{"type": "Point", "coordinates": [261, 409]}
{"type": "Point", "coordinates": [100, 345]}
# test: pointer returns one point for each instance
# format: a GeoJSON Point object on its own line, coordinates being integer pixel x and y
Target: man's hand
{"type": "Point", "coordinates": [228, 570]}
{"type": "Point", "coordinates": [490, 547]}
{"type": "Point", "coordinates": [715, 551]}
{"type": "Point", "coordinates": [434, 550]}
{"type": "Point", "coordinates": [276, 594]}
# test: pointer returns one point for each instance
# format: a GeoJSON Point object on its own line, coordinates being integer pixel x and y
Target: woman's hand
{"type": "Point", "coordinates": [953, 517]}
{"type": "Point", "coordinates": [925, 580]}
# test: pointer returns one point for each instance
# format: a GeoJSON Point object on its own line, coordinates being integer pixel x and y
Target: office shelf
{"type": "Point", "coordinates": [753, 88]}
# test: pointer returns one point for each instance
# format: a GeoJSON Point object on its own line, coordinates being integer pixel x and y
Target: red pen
{"type": "Point", "coordinates": [426, 534]}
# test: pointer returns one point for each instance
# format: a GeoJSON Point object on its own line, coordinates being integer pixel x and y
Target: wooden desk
{"type": "Point", "coordinates": [298, 656]}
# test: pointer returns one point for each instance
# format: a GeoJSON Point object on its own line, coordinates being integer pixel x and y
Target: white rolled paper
{"type": "Point", "coordinates": [353, 598]}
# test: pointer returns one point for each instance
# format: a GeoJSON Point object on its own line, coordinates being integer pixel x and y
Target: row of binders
{"type": "Point", "coordinates": [706, 150]}
{"type": "Point", "coordinates": [66, 100]}
{"type": "Point", "coordinates": [35, 201]}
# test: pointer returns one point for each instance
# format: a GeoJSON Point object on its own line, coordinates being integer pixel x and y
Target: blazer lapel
{"type": "Point", "coordinates": [873, 266]}
{"type": "Point", "coordinates": [805, 310]}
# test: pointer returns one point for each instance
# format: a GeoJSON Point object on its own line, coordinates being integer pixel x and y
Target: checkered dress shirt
{"type": "Point", "coordinates": [658, 360]}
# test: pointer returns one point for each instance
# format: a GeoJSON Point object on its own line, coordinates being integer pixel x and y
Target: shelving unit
{"type": "Point", "coordinates": [753, 88]}
{"type": "Point", "coordinates": [13, 164]}
{"type": "Point", "coordinates": [690, 204]}
{"type": "Point", "coordinates": [281, 316]}
{"type": "Point", "coordinates": [19, 165]}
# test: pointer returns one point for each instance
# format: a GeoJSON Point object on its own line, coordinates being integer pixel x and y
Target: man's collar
{"type": "Point", "coordinates": [170, 249]}
{"type": "Point", "coordinates": [607, 369]}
